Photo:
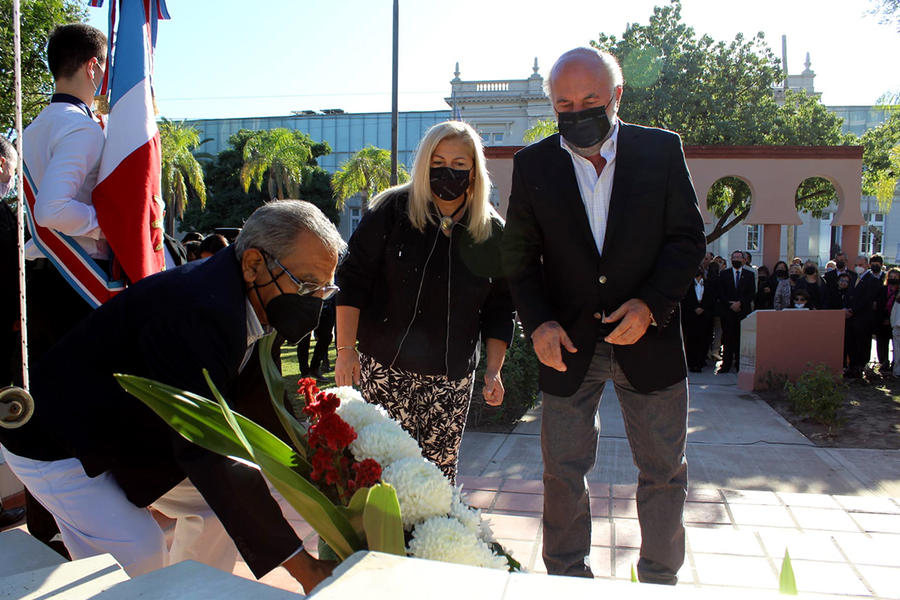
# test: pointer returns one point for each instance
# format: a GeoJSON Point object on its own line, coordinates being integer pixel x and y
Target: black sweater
{"type": "Point", "coordinates": [398, 277]}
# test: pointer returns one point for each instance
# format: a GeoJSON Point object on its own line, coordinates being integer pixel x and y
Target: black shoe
{"type": "Point", "coordinates": [11, 516]}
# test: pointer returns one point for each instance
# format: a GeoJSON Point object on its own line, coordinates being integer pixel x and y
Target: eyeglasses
{"type": "Point", "coordinates": [305, 288]}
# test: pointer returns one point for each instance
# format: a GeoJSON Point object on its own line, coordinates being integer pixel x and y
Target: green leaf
{"type": "Point", "coordinates": [786, 582]}
{"type": "Point", "coordinates": [634, 578]}
{"type": "Point", "coordinates": [355, 509]}
{"type": "Point", "coordinates": [204, 423]}
{"type": "Point", "coordinates": [272, 374]}
{"type": "Point", "coordinates": [381, 518]}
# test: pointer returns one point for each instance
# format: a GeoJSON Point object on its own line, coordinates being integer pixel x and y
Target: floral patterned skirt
{"type": "Point", "coordinates": [432, 408]}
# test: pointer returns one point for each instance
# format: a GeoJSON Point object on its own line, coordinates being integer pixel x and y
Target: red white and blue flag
{"type": "Point", "coordinates": [128, 196]}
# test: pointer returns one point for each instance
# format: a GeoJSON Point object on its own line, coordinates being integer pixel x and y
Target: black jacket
{"type": "Point", "coordinates": [398, 277]}
{"type": "Point", "coordinates": [743, 293]}
{"type": "Point", "coordinates": [653, 244]}
{"type": "Point", "coordinates": [166, 327]}
{"type": "Point", "coordinates": [689, 303]}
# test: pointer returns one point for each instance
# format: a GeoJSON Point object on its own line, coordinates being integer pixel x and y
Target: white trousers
{"type": "Point", "coordinates": [95, 517]}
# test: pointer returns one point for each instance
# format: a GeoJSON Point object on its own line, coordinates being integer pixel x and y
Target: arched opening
{"type": "Point", "coordinates": [818, 240]}
{"type": "Point", "coordinates": [728, 201]}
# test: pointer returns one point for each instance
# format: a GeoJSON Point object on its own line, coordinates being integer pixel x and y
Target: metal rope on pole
{"type": "Point", "coordinates": [394, 116]}
{"type": "Point", "coordinates": [20, 198]}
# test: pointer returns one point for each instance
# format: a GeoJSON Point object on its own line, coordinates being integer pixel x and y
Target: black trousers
{"type": "Point", "coordinates": [697, 337]}
{"type": "Point", "coordinates": [324, 335]}
{"type": "Point", "coordinates": [731, 340]}
{"type": "Point", "coordinates": [883, 336]}
{"type": "Point", "coordinates": [861, 330]}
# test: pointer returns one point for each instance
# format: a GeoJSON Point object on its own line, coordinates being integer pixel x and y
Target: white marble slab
{"type": "Point", "coordinates": [20, 553]}
{"type": "Point", "coordinates": [79, 580]}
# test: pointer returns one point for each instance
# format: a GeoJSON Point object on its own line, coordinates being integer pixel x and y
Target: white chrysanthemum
{"type": "Point", "coordinates": [346, 393]}
{"type": "Point", "coordinates": [447, 540]}
{"type": "Point", "coordinates": [384, 441]}
{"type": "Point", "coordinates": [469, 517]}
{"type": "Point", "coordinates": [358, 413]}
{"type": "Point", "coordinates": [422, 489]}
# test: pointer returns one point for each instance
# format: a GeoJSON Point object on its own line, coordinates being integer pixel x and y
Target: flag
{"type": "Point", "coordinates": [128, 197]}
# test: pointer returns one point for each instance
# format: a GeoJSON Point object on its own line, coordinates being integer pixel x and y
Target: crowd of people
{"type": "Point", "coordinates": [722, 295]}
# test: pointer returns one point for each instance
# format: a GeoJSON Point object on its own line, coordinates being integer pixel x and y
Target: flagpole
{"type": "Point", "coordinates": [394, 118]}
{"type": "Point", "coordinates": [20, 200]}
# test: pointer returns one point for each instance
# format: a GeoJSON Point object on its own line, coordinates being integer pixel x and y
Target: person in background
{"type": "Point", "coordinates": [883, 329]}
{"type": "Point", "coordinates": [712, 284]}
{"type": "Point", "coordinates": [421, 284]}
{"type": "Point", "coordinates": [785, 288]}
{"type": "Point", "coordinates": [707, 259]}
{"type": "Point", "coordinates": [212, 244]}
{"type": "Point", "coordinates": [868, 298]}
{"type": "Point", "coordinates": [736, 291]}
{"type": "Point", "coordinates": [860, 265]}
{"type": "Point", "coordinates": [192, 236]}
{"type": "Point", "coordinates": [894, 318]}
{"type": "Point", "coordinates": [723, 264]}
{"type": "Point", "coordinates": [841, 298]}
{"type": "Point", "coordinates": [800, 299]}
{"type": "Point", "coordinates": [797, 261]}
{"type": "Point", "coordinates": [842, 266]}
{"type": "Point", "coordinates": [324, 332]}
{"type": "Point", "coordinates": [192, 249]}
{"type": "Point", "coordinates": [765, 290]}
{"type": "Point", "coordinates": [813, 284]}
{"type": "Point", "coordinates": [697, 309]}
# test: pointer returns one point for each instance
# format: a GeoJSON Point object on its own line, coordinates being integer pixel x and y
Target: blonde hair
{"type": "Point", "coordinates": [480, 211]}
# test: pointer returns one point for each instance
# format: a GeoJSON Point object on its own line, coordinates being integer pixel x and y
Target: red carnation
{"type": "Point", "coordinates": [333, 431]}
{"type": "Point", "coordinates": [307, 387]}
{"type": "Point", "coordinates": [368, 472]}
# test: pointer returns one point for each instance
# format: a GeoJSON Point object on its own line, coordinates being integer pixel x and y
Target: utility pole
{"type": "Point", "coordinates": [394, 116]}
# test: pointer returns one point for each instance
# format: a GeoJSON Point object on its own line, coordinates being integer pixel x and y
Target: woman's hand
{"type": "Point", "coordinates": [493, 388]}
{"type": "Point", "coordinates": [346, 367]}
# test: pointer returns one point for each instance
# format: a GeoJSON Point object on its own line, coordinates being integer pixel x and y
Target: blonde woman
{"type": "Point", "coordinates": [421, 284]}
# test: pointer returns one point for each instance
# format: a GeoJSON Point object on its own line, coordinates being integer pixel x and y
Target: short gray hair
{"type": "Point", "coordinates": [607, 60]}
{"type": "Point", "coordinates": [7, 150]}
{"type": "Point", "coordinates": [274, 227]}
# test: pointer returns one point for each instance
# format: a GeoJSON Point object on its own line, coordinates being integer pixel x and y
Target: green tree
{"type": "Point", "coordinates": [228, 205]}
{"type": "Point", "coordinates": [881, 160]}
{"type": "Point", "coordinates": [38, 18]}
{"type": "Point", "coordinates": [366, 173]}
{"type": "Point", "coordinates": [540, 130]}
{"type": "Point", "coordinates": [281, 156]}
{"type": "Point", "coordinates": [181, 173]}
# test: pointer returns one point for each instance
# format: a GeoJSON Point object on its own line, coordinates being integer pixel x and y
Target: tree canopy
{"type": "Point", "coordinates": [182, 176]}
{"type": "Point", "coordinates": [366, 173]}
{"type": "Point", "coordinates": [38, 18]}
{"type": "Point", "coordinates": [283, 156]}
{"type": "Point", "coordinates": [881, 164]}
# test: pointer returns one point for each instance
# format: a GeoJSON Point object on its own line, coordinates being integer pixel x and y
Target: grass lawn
{"type": "Point", "coordinates": [290, 368]}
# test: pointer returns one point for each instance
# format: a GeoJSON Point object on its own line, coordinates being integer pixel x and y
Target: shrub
{"type": "Point", "coordinates": [818, 394]}
{"type": "Point", "coordinates": [520, 380]}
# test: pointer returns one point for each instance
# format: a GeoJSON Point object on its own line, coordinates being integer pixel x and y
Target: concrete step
{"type": "Point", "coordinates": [20, 553]}
{"type": "Point", "coordinates": [78, 580]}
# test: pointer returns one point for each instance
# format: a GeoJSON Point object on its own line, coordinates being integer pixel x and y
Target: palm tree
{"type": "Point", "coordinates": [282, 153]}
{"type": "Point", "coordinates": [366, 173]}
{"type": "Point", "coordinates": [180, 169]}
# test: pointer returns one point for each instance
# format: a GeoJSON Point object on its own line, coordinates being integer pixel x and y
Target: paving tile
{"type": "Point", "coordinates": [746, 571]}
{"type": "Point", "coordinates": [705, 512]}
{"type": "Point", "coordinates": [624, 508]}
{"type": "Point", "coordinates": [523, 486]}
{"type": "Point", "coordinates": [625, 558]}
{"type": "Point", "coordinates": [514, 527]}
{"type": "Point", "coordinates": [807, 545]}
{"type": "Point", "coordinates": [521, 550]}
{"type": "Point", "coordinates": [599, 507]}
{"type": "Point", "coordinates": [704, 495]}
{"type": "Point", "coordinates": [624, 490]}
{"type": "Point", "coordinates": [628, 533]}
{"type": "Point", "coordinates": [873, 522]}
{"type": "Point", "coordinates": [884, 580]}
{"type": "Point", "coordinates": [479, 498]}
{"type": "Point", "coordinates": [823, 518]}
{"type": "Point", "coordinates": [758, 514]}
{"type": "Point", "coordinates": [479, 483]}
{"type": "Point", "coordinates": [723, 541]}
{"type": "Point", "coordinates": [751, 497]}
{"type": "Point", "coordinates": [810, 500]}
{"type": "Point", "coordinates": [519, 502]}
{"type": "Point", "coordinates": [875, 504]}
{"type": "Point", "coordinates": [598, 489]}
{"type": "Point", "coordinates": [872, 549]}
{"type": "Point", "coordinates": [821, 577]}
{"type": "Point", "coordinates": [601, 563]}
{"type": "Point", "coordinates": [601, 532]}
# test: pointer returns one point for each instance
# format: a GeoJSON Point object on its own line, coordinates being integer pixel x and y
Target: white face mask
{"type": "Point", "coordinates": [859, 270]}
{"type": "Point", "coordinates": [799, 305]}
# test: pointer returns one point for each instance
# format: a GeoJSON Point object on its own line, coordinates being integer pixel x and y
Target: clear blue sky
{"type": "Point", "coordinates": [230, 58]}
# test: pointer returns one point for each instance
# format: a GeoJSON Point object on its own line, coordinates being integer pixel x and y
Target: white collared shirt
{"type": "Point", "coordinates": [255, 331]}
{"type": "Point", "coordinates": [698, 289]}
{"type": "Point", "coordinates": [596, 190]}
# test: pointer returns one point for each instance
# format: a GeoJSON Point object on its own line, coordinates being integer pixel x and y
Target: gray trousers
{"type": "Point", "coordinates": [656, 426]}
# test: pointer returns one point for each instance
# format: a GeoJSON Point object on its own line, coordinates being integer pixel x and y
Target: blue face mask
{"type": "Point", "coordinates": [584, 128]}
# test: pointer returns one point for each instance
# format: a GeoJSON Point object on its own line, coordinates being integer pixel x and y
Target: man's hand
{"type": "Point", "coordinates": [547, 339]}
{"type": "Point", "coordinates": [735, 305]}
{"type": "Point", "coordinates": [307, 570]}
{"type": "Point", "coordinates": [346, 367]}
{"type": "Point", "coordinates": [634, 316]}
{"type": "Point", "coordinates": [493, 388]}
{"type": "Point", "coordinates": [698, 311]}
{"type": "Point", "coordinates": [848, 313]}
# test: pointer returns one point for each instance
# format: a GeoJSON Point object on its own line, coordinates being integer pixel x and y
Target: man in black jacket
{"type": "Point", "coordinates": [96, 456]}
{"type": "Point", "coordinates": [736, 291]}
{"type": "Point", "coordinates": [602, 238]}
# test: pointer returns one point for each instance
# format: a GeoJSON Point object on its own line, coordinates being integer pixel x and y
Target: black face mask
{"type": "Point", "coordinates": [795, 276]}
{"type": "Point", "coordinates": [809, 270]}
{"type": "Point", "coordinates": [841, 265]}
{"type": "Point", "coordinates": [781, 274]}
{"type": "Point", "coordinates": [449, 184]}
{"type": "Point", "coordinates": [893, 281]}
{"type": "Point", "coordinates": [875, 268]}
{"type": "Point", "coordinates": [293, 316]}
{"type": "Point", "coordinates": [737, 264]}
{"type": "Point", "coordinates": [584, 128]}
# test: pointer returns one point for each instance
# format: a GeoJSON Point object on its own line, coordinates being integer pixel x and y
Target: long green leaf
{"type": "Point", "coordinates": [272, 374]}
{"type": "Point", "coordinates": [202, 422]}
{"type": "Point", "coordinates": [354, 511]}
{"type": "Point", "coordinates": [786, 582]}
{"type": "Point", "coordinates": [381, 519]}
